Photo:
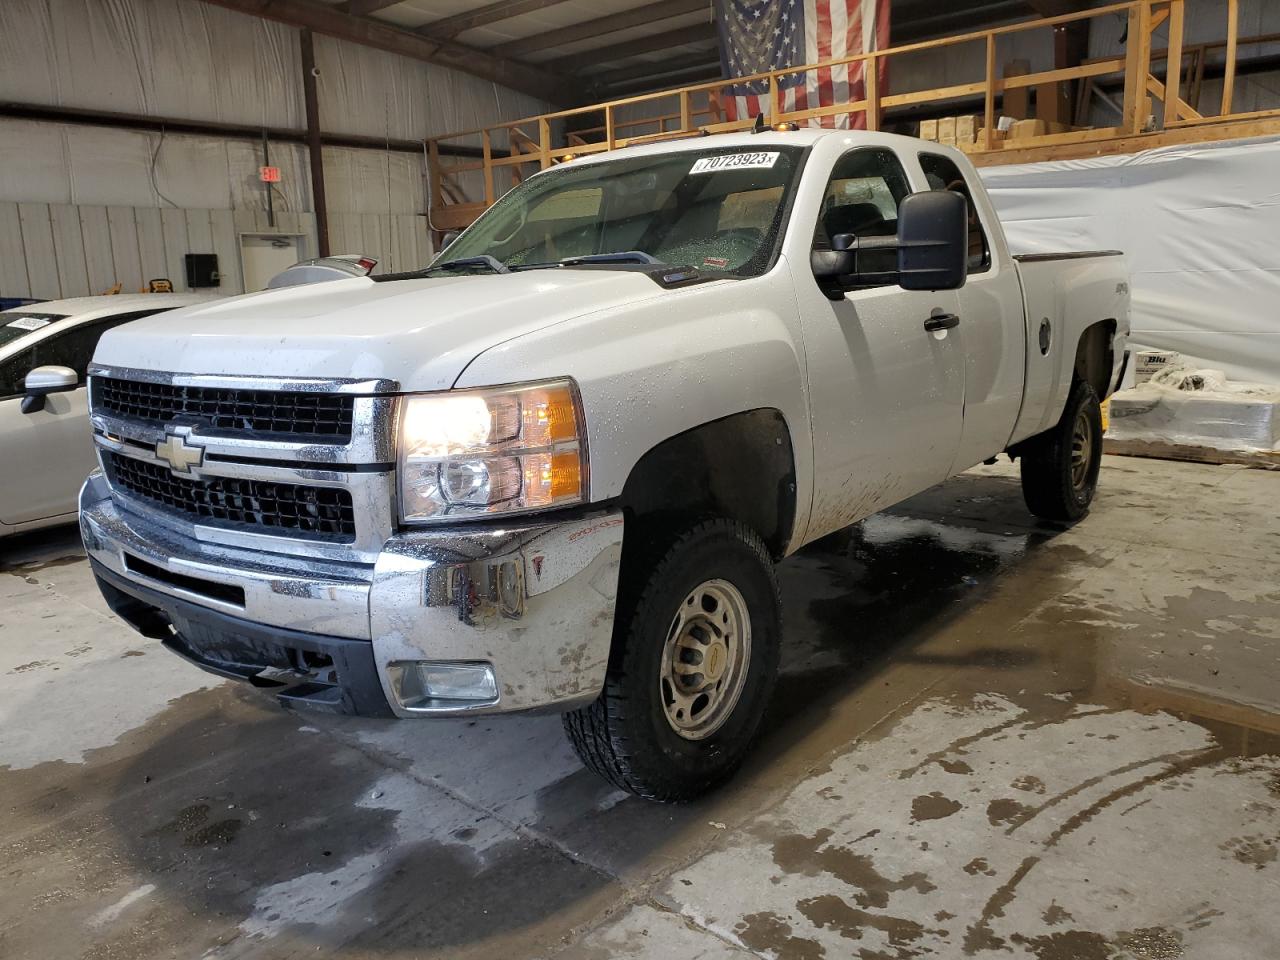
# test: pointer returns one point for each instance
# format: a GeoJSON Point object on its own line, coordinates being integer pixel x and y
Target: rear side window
{"type": "Point", "coordinates": [943, 174]}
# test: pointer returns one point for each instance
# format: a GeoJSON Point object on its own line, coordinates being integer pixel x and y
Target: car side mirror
{"type": "Point", "coordinates": [43, 381]}
{"type": "Point", "coordinates": [933, 241]}
{"type": "Point", "coordinates": [838, 262]}
{"type": "Point", "coordinates": [932, 247]}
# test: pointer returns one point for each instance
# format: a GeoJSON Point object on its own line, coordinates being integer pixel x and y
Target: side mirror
{"type": "Point", "coordinates": [933, 241]}
{"type": "Point", "coordinates": [840, 261]}
{"type": "Point", "coordinates": [43, 381]}
{"type": "Point", "coordinates": [932, 248]}
{"type": "Point", "coordinates": [446, 241]}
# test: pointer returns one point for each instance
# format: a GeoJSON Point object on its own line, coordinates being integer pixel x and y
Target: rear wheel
{"type": "Point", "coordinates": [1060, 466]}
{"type": "Point", "coordinates": [693, 667]}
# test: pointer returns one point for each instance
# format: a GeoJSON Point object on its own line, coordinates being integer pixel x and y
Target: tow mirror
{"type": "Point", "coordinates": [43, 381]}
{"type": "Point", "coordinates": [932, 248]}
{"type": "Point", "coordinates": [838, 262]}
{"type": "Point", "coordinates": [933, 241]}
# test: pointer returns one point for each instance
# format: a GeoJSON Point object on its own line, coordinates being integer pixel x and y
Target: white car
{"type": "Point", "coordinates": [45, 445]}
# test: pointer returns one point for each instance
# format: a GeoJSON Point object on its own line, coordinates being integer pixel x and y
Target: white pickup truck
{"type": "Point", "coordinates": [554, 470]}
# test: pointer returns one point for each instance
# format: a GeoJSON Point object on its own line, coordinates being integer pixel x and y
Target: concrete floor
{"type": "Point", "coordinates": [993, 738]}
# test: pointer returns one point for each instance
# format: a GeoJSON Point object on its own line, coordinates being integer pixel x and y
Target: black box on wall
{"type": "Point", "coordinates": [202, 270]}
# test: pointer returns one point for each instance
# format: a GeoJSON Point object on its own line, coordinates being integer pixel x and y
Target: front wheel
{"type": "Point", "coordinates": [692, 670]}
{"type": "Point", "coordinates": [1060, 466]}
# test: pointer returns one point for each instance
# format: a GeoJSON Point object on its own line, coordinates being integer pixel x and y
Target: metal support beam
{"type": "Point", "coordinates": [448, 27]}
{"type": "Point", "coordinates": [314, 148]}
{"type": "Point", "coordinates": [653, 70]}
{"type": "Point", "coordinates": [600, 26]}
{"type": "Point", "coordinates": [362, 8]}
{"type": "Point", "coordinates": [649, 85]}
{"type": "Point", "coordinates": [632, 48]}
{"type": "Point", "coordinates": [42, 113]}
{"type": "Point", "coordinates": [1070, 47]}
{"type": "Point", "coordinates": [332, 22]}
{"type": "Point", "coordinates": [953, 19]}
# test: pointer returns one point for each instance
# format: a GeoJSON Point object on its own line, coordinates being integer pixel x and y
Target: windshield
{"type": "Point", "coordinates": [716, 210]}
{"type": "Point", "coordinates": [15, 324]}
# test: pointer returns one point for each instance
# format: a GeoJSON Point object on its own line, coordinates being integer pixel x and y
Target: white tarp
{"type": "Point", "coordinates": [1199, 226]}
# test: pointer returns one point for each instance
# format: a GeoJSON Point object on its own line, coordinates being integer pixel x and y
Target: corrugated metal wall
{"type": "Point", "coordinates": [82, 208]}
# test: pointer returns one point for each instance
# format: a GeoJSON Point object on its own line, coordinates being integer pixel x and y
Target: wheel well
{"type": "Point", "coordinates": [741, 467]}
{"type": "Point", "coordinates": [1093, 356]}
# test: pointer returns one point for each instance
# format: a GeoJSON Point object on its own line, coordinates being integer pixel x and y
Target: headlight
{"type": "Point", "coordinates": [472, 453]}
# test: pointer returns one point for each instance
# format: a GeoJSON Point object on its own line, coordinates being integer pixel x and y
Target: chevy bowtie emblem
{"type": "Point", "coordinates": [179, 454]}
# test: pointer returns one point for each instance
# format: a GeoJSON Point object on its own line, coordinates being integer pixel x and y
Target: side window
{"type": "Point", "coordinates": [72, 349]}
{"type": "Point", "coordinates": [12, 373]}
{"type": "Point", "coordinates": [862, 198]}
{"type": "Point", "coordinates": [943, 174]}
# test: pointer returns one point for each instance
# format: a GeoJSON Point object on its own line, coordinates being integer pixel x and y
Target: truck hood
{"type": "Point", "coordinates": [421, 333]}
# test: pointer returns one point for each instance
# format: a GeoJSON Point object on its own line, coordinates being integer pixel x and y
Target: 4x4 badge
{"type": "Point", "coordinates": [180, 455]}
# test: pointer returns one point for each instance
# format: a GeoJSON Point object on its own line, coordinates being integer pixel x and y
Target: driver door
{"type": "Point", "coordinates": [49, 452]}
{"type": "Point", "coordinates": [886, 395]}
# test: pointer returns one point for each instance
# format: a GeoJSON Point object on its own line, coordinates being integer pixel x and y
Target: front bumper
{"type": "Point", "coordinates": [534, 602]}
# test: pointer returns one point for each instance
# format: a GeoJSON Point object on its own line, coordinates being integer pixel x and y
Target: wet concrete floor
{"type": "Point", "coordinates": [992, 738]}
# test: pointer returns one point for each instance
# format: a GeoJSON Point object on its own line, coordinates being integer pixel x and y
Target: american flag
{"type": "Point", "coordinates": [759, 35]}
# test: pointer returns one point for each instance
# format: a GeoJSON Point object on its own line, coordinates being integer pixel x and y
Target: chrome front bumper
{"type": "Point", "coordinates": [534, 601]}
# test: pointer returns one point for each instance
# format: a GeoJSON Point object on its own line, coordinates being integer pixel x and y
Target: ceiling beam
{"type": "Point", "coordinates": [951, 21]}
{"type": "Point", "coordinates": [482, 16]}
{"type": "Point", "coordinates": [42, 113]}
{"type": "Point", "coordinates": [652, 70]}
{"type": "Point", "coordinates": [599, 27]}
{"type": "Point", "coordinates": [683, 77]}
{"type": "Point", "coordinates": [362, 8]}
{"type": "Point", "coordinates": [1055, 8]}
{"type": "Point", "coordinates": [631, 48]}
{"type": "Point", "coordinates": [332, 22]}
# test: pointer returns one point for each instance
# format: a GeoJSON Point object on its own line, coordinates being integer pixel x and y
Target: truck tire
{"type": "Point", "coordinates": [1060, 466]}
{"type": "Point", "coordinates": [692, 669]}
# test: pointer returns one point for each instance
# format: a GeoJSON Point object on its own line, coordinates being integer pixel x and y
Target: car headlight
{"type": "Point", "coordinates": [473, 453]}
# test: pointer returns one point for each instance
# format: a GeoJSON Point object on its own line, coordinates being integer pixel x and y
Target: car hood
{"type": "Point", "coordinates": [421, 333]}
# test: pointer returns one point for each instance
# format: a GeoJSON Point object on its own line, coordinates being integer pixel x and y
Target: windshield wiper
{"type": "Point", "coordinates": [462, 263]}
{"type": "Point", "coordinates": [625, 256]}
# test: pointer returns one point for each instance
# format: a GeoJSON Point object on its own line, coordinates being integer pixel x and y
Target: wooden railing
{"type": "Point", "coordinates": [514, 149]}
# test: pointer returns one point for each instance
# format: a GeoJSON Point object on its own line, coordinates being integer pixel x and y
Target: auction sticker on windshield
{"type": "Point", "coordinates": [29, 323]}
{"type": "Point", "coordinates": [735, 161]}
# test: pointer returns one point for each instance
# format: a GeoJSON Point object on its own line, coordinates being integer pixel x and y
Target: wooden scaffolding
{"type": "Point", "coordinates": [1158, 108]}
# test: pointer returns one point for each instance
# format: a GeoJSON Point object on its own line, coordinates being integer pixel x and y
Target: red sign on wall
{"type": "Point", "coordinates": [269, 174]}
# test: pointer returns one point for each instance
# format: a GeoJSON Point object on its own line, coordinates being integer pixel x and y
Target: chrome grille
{"type": "Point", "coordinates": [267, 506]}
{"type": "Point", "coordinates": [266, 413]}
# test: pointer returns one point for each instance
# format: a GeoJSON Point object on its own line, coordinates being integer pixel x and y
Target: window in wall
{"type": "Point", "coordinates": [943, 174]}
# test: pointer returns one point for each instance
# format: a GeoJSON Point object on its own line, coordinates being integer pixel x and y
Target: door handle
{"type": "Point", "coordinates": [941, 321]}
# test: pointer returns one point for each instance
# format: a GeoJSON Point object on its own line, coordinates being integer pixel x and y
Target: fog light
{"type": "Point", "coordinates": [424, 684]}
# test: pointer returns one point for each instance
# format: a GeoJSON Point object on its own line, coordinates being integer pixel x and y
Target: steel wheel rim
{"type": "Point", "coordinates": [1081, 450]}
{"type": "Point", "coordinates": [705, 659]}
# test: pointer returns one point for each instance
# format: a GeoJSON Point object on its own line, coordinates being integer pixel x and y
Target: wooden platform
{"type": "Point", "coordinates": [1154, 112]}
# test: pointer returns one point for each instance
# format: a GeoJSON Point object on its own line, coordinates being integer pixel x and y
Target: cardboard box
{"type": "Point", "coordinates": [947, 130]}
{"type": "Point", "coordinates": [997, 138]}
{"type": "Point", "coordinates": [928, 129]}
{"type": "Point", "coordinates": [1025, 129]}
{"type": "Point", "coordinates": [1147, 363]}
{"type": "Point", "coordinates": [966, 127]}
